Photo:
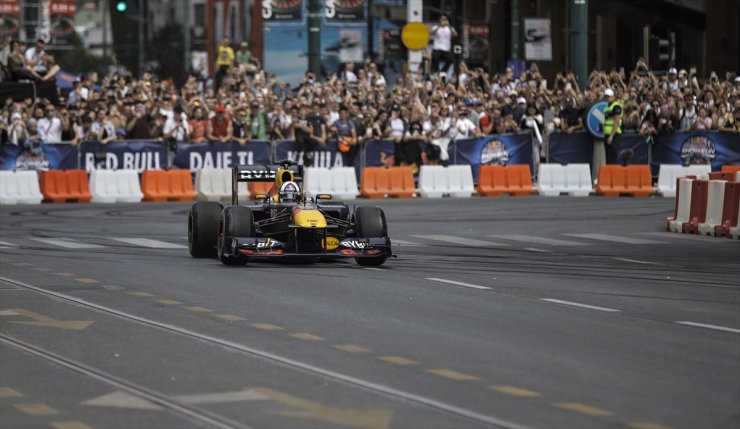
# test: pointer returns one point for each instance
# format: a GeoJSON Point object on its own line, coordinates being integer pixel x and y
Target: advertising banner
{"type": "Point", "coordinates": [196, 156]}
{"type": "Point", "coordinates": [282, 10]}
{"type": "Point", "coordinates": [576, 148]}
{"type": "Point", "coordinates": [10, 12]}
{"type": "Point", "coordinates": [537, 39]}
{"type": "Point", "coordinates": [58, 156]}
{"type": "Point", "coordinates": [116, 155]}
{"type": "Point", "coordinates": [475, 42]}
{"type": "Point", "coordinates": [344, 10]}
{"type": "Point", "coordinates": [62, 14]}
{"type": "Point", "coordinates": [627, 149]}
{"type": "Point", "coordinates": [326, 157]}
{"type": "Point", "coordinates": [698, 147]}
{"type": "Point", "coordinates": [504, 149]}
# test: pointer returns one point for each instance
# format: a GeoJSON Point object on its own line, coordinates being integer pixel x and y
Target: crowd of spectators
{"type": "Point", "coordinates": [246, 103]}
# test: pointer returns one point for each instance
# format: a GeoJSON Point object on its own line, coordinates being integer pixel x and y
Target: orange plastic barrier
{"type": "Point", "coordinates": [378, 182]}
{"type": "Point", "coordinates": [730, 207]}
{"type": "Point", "coordinates": [259, 188]}
{"type": "Point", "coordinates": [167, 185]}
{"type": "Point", "coordinates": [494, 180]}
{"type": "Point", "coordinates": [615, 180]}
{"type": "Point", "coordinates": [60, 186]}
{"type": "Point", "coordinates": [698, 212]}
{"type": "Point", "coordinates": [722, 175]}
{"type": "Point", "coordinates": [731, 168]}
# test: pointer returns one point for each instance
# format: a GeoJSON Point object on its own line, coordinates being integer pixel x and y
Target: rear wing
{"type": "Point", "coordinates": [250, 173]}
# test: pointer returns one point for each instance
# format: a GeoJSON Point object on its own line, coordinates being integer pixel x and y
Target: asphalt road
{"type": "Point", "coordinates": [497, 312]}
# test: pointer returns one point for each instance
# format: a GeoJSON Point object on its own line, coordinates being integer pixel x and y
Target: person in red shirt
{"type": "Point", "coordinates": [219, 127]}
{"type": "Point", "coordinates": [198, 126]}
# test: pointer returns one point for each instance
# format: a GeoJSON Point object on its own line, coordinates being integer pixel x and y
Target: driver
{"type": "Point", "coordinates": [289, 192]}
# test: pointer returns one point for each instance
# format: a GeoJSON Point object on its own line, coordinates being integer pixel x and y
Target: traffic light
{"type": "Point", "coordinates": [121, 6]}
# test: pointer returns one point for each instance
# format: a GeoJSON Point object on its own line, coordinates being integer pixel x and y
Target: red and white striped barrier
{"type": "Point", "coordinates": [707, 207]}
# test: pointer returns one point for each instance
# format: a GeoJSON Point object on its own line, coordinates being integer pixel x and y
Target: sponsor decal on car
{"type": "Point", "coordinates": [354, 244]}
{"type": "Point", "coordinates": [268, 243]}
{"type": "Point", "coordinates": [256, 174]}
{"type": "Point", "coordinates": [330, 243]}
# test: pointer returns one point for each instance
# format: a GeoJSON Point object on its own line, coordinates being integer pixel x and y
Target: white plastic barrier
{"type": "Point", "coordinates": [735, 231]}
{"type": "Point", "coordinates": [19, 187]}
{"type": "Point", "coordinates": [115, 186]}
{"type": "Point", "coordinates": [340, 182]}
{"type": "Point", "coordinates": [572, 179]}
{"type": "Point", "coordinates": [436, 181]}
{"type": "Point", "coordinates": [715, 205]}
{"type": "Point", "coordinates": [214, 184]}
{"type": "Point", "coordinates": [683, 209]}
{"type": "Point", "coordinates": [129, 186]}
{"type": "Point", "coordinates": [670, 172]}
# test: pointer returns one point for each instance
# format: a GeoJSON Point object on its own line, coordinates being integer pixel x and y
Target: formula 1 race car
{"type": "Point", "coordinates": [285, 222]}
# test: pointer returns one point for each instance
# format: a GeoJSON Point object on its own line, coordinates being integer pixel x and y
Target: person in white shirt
{"type": "Point", "coordinates": [465, 127]}
{"type": "Point", "coordinates": [442, 34]}
{"type": "Point", "coordinates": [176, 127]}
{"type": "Point", "coordinates": [35, 57]}
{"type": "Point", "coordinates": [348, 75]}
{"type": "Point", "coordinates": [50, 126]}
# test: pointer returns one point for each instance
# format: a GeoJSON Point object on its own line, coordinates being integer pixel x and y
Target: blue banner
{"type": "Point", "coordinates": [627, 148]}
{"type": "Point", "coordinates": [129, 154]}
{"type": "Point", "coordinates": [698, 147]}
{"type": "Point", "coordinates": [379, 153]}
{"type": "Point", "coordinates": [576, 148]}
{"type": "Point", "coordinates": [195, 156]}
{"type": "Point", "coordinates": [58, 156]}
{"type": "Point", "coordinates": [504, 149]}
{"type": "Point", "coordinates": [327, 156]}
{"type": "Point", "coordinates": [8, 155]}
{"type": "Point", "coordinates": [62, 156]}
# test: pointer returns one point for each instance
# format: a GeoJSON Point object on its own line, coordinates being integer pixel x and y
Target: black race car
{"type": "Point", "coordinates": [286, 223]}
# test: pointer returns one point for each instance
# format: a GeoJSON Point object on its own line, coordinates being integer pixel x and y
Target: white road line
{"type": "Point", "coordinates": [67, 243]}
{"type": "Point", "coordinates": [148, 242]}
{"type": "Point", "coordinates": [5, 244]}
{"type": "Point", "coordinates": [8, 313]}
{"type": "Point", "coordinates": [218, 398]}
{"type": "Point", "coordinates": [715, 327]}
{"type": "Point", "coordinates": [636, 261]}
{"type": "Point", "coordinates": [576, 304]}
{"type": "Point", "coordinates": [539, 240]}
{"type": "Point", "coordinates": [456, 239]}
{"type": "Point", "coordinates": [397, 242]}
{"type": "Point", "coordinates": [453, 282]}
{"type": "Point", "coordinates": [534, 249]}
{"type": "Point", "coordinates": [616, 238]}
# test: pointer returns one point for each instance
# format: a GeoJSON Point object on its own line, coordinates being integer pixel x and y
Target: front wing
{"type": "Point", "coordinates": [348, 248]}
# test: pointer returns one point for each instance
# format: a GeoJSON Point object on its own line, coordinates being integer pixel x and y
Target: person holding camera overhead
{"type": "Point", "coordinates": [442, 56]}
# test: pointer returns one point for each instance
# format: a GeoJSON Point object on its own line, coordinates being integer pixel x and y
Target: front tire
{"type": "Point", "coordinates": [371, 223]}
{"type": "Point", "coordinates": [236, 221]}
{"type": "Point", "coordinates": [203, 219]}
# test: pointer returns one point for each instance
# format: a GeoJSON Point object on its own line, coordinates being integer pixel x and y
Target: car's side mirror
{"type": "Point", "coordinates": [323, 197]}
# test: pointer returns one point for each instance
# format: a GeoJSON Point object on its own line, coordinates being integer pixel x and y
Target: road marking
{"type": "Point", "coordinates": [715, 327]}
{"type": "Point", "coordinates": [267, 327]}
{"type": "Point", "coordinates": [67, 243]}
{"type": "Point", "coordinates": [398, 360]}
{"type": "Point", "coordinates": [8, 392]}
{"type": "Point", "coordinates": [452, 375]}
{"type": "Point", "coordinates": [42, 269]}
{"type": "Point", "coordinates": [396, 242]}
{"type": "Point", "coordinates": [121, 399]}
{"type": "Point", "coordinates": [648, 425]}
{"type": "Point", "coordinates": [36, 409]}
{"type": "Point", "coordinates": [515, 391]}
{"type": "Point", "coordinates": [616, 238]}
{"type": "Point", "coordinates": [373, 269]}
{"type": "Point", "coordinates": [637, 261]}
{"type": "Point", "coordinates": [86, 280]}
{"type": "Point", "coordinates": [351, 348]}
{"type": "Point", "coordinates": [229, 317]}
{"type": "Point", "coordinates": [197, 309]}
{"type": "Point", "coordinates": [576, 304]}
{"type": "Point", "coordinates": [463, 241]}
{"type": "Point", "coordinates": [8, 313]}
{"type": "Point", "coordinates": [65, 274]}
{"type": "Point", "coordinates": [149, 243]}
{"type": "Point", "coordinates": [305, 336]}
{"type": "Point", "coordinates": [167, 301]}
{"type": "Point", "coordinates": [583, 409]}
{"type": "Point", "coordinates": [48, 322]}
{"type": "Point", "coordinates": [70, 424]}
{"type": "Point", "coordinates": [691, 237]}
{"type": "Point", "coordinates": [364, 419]}
{"type": "Point", "coordinates": [539, 240]}
{"type": "Point", "coordinates": [454, 282]}
{"type": "Point", "coordinates": [6, 245]}
{"type": "Point", "coordinates": [222, 397]}
{"type": "Point", "coordinates": [534, 249]}
{"type": "Point", "coordinates": [137, 293]}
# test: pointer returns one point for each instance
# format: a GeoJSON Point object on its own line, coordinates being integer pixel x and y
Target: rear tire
{"type": "Point", "coordinates": [203, 219]}
{"type": "Point", "coordinates": [236, 221]}
{"type": "Point", "coordinates": [371, 223]}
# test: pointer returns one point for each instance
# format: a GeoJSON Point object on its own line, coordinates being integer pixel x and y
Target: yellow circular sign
{"type": "Point", "coordinates": [331, 243]}
{"type": "Point", "coordinates": [415, 35]}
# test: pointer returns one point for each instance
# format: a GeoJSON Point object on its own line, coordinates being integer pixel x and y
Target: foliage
{"type": "Point", "coordinates": [78, 60]}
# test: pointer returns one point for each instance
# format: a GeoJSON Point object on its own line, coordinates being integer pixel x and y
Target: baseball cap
{"type": "Point", "coordinates": [672, 70]}
{"type": "Point", "coordinates": [468, 101]}
{"type": "Point", "coordinates": [220, 109]}
{"type": "Point", "coordinates": [15, 115]}
{"type": "Point", "coordinates": [521, 100]}
{"type": "Point", "coordinates": [608, 92]}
